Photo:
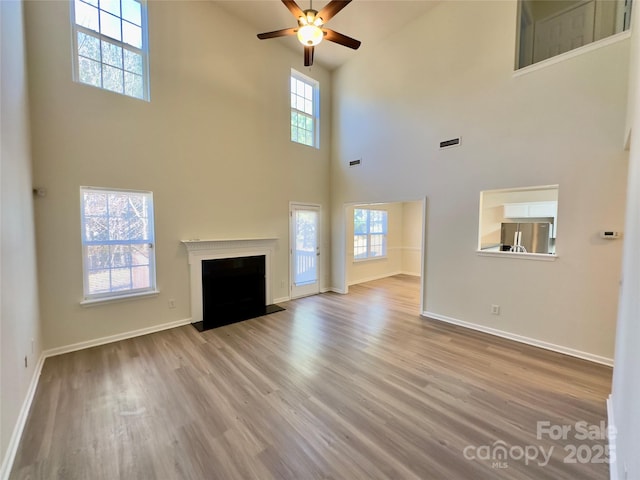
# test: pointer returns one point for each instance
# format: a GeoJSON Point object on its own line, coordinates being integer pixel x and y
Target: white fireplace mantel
{"type": "Point", "coordinates": [199, 250]}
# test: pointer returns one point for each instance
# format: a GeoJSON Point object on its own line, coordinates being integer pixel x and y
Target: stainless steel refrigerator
{"type": "Point", "coordinates": [525, 237]}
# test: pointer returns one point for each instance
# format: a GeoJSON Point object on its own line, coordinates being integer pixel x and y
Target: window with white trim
{"type": "Point", "coordinates": [117, 242]}
{"type": "Point", "coordinates": [305, 99]}
{"type": "Point", "coordinates": [369, 233]}
{"type": "Point", "coordinates": [111, 46]}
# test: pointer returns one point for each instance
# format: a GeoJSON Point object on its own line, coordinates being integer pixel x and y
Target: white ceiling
{"type": "Point", "coordinates": [369, 21]}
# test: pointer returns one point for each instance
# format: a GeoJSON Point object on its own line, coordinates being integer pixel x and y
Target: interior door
{"type": "Point", "coordinates": [304, 249]}
{"type": "Point", "coordinates": [563, 32]}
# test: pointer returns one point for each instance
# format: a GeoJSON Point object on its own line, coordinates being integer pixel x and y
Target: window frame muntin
{"type": "Point", "coordinates": [121, 294]}
{"type": "Point", "coordinates": [143, 51]}
{"type": "Point", "coordinates": [369, 233]}
{"type": "Point", "coordinates": [315, 85]}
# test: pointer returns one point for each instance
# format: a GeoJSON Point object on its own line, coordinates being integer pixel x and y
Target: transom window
{"type": "Point", "coordinates": [369, 233]}
{"type": "Point", "coordinates": [111, 47]}
{"type": "Point", "coordinates": [117, 242]}
{"type": "Point", "coordinates": [305, 96]}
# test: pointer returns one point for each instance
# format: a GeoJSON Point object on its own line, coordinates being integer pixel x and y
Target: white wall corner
{"type": "Point", "coordinates": [612, 436]}
{"type": "Point", "coordinates": [16, 436]}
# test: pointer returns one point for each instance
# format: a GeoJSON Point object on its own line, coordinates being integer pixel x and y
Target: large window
{"type": "Point", "coordinates": [110, 45]}
{"type": "Point", "coordinates": [369, 233]}
{"type": "Point", "coordinates": [305, 96]}
{"type": "Point", "coordinates": [117, 242]}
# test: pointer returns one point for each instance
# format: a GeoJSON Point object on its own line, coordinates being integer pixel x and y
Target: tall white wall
{"type": "Point", "coordinates": [19, 321]}
{"type": "Point", "coordinates": [213, 146]}
{"type": "Point", "coordinates": [450, 73]}
{"type": "Point", "coordinates": [626, 373]}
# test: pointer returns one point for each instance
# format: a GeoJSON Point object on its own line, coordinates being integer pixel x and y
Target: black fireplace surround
{"type": "Point", "coordinates": [233, 289]}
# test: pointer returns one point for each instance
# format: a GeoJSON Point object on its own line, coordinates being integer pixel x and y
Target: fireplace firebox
{"type": "Point", "coordinates": [233, 289]}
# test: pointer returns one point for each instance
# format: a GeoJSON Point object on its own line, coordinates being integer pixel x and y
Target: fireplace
{"type": "Point", "coordinates": [230, 280]}
{"type": "Point", "coordinates": [233, 289]}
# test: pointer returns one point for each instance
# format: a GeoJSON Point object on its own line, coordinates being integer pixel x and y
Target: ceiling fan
{"type": "Point", "coordinates": [311, 30]}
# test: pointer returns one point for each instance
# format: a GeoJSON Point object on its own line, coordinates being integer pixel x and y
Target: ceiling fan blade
{"type": "Point", "coordinates": [308, 56]}
{"type": "Point", "coordinates": [341, 39]}
{"type": "Point", "coordinates": [293, 8]}
{"type": "Point", "coordinates": [278, 33]}
{"type": "Point", "coordinates": [331, 8]}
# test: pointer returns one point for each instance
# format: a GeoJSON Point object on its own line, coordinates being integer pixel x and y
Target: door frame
{"type": "Point", "coordinates": [342, 256]}
{"type": "Point", "coordinates": [302, 206]}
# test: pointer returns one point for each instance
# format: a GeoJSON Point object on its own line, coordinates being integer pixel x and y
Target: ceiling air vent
{"type": "Point", "coordinates": [454, 142]}
{"type": "Point", "coordinates": [355, 163]}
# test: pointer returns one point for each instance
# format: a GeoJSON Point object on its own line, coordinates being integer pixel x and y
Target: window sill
{"type": "Point", "coordinates": [618, 37]}
{"type": "Point", "coordinates": [92, 302]}
{"type": "Point", "coordinates": [540, 257]}
{"type": "Point", "coordinates": [372, 259]}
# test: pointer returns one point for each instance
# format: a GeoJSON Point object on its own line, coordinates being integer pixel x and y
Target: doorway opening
{"type": "Point", "coordinates": [385, 240]}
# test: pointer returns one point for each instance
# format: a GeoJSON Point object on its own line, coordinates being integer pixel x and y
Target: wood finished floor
{"type": "Point", "coordinates": [335, 387]}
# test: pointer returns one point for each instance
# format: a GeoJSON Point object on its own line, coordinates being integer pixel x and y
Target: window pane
{"type": "Point", "coordinates": [86, 15]}
{"type": "Point", "coordinates": [95, 203]}
{"type": "Point", "coordinates": [308, 107]}
{"type": "Point", "coordinates": [89, 72]}
{"type": "Point", "coordinates": [120, 279]}
{"type": "Point", "coordinates": [141, 277]}
{"type": "Point", "coordinates": [300, 103]}
{"type": "Point", "coordinates": [131, 11]}
{"type": "Point", "coordinates": [140, 254]}
{"type": "Point", "coordinates": [110, 25]}
{"type": "Point", "coordinates": [300, 88]}
{"type": "Point", "coordinates": [112, 79]}
{"type": "Point", "coordinates": [96, 229]}
{"type": "Point", "coordinates": [99, 281]}
{"type": "Point", "coordinates": [132, 62]}
{"type": "Point", "coordinates": [133, 85]}
{"type": "Point", "coordinates": [132, 34]}
{"type": "Point", "coordinates": [111, 6]}
{"type": "Point", "coordinates": [111, 54]}
{"type": "Point", "coordinates": [294, 133]}
{"type": "Point", "coordinates": [88, 46]}
{"type": "Point", "coordinates": [98, 257]}
{"type": "Point", "coordinates": [308, 92]}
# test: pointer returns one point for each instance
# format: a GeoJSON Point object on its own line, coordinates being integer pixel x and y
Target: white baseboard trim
{"type": "Point", "coordinates": [16, 436]}
{"type": "Point", "coordinates": [115, 338]}
{"type": "Point", "coordinates": [611, 424]}
{"type": "Point", "coordinates": [375, 277]}
{"type": "Point", "coordinates": [341, 291]}
{"type": "Point", "coordinates": [522, 339]}
{"type": "Point", "coordinates": [411, 274]}
{"type": "Point", "coordinates": [281, 299]}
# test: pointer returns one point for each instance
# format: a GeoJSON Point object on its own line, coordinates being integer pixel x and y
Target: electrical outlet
{"type": "Point", "coordinates": [26, 362]}
{"type": "Point", "coordinates": [172, 303]}
{"type": "Point", "coordinates": [495, 309]}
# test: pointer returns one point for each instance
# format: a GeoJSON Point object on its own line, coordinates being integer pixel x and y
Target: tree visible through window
{"type": "Point", "coordinates": [110, 40]}
{"type": "Point", "coordinates": [304, 109]}
{"type": "Point", "coordinates": [369, 233]}
{"type": "Point", "coordinates": [117, 242]}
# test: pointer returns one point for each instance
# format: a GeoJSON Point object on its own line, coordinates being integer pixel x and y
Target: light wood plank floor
{"type": "Point", "coordinates": [335, 387]}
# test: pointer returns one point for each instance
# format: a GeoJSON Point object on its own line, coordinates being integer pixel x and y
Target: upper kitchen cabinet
{"type": "Point", "coordinates": [531, 210]}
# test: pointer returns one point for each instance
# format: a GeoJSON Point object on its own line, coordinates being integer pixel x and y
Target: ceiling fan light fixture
{"type": "Point", "coordinates": [310, 35]}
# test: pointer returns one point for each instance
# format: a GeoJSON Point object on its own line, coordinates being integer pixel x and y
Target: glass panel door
{"type": "Point", "coordinates": [305, 251]}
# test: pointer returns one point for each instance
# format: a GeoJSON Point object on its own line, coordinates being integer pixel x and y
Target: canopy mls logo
{"type": "Point", "coordinates": [587, 446]}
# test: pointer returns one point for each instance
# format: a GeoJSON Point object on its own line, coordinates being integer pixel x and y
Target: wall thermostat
{"type": "Point", "coordinates": [610, 234]}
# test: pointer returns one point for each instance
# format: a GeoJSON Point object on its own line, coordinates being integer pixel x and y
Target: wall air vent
{"type": "Point", "coordinates": [454, 142]}
{"type": "Point", "coordinates": [355, 163]}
